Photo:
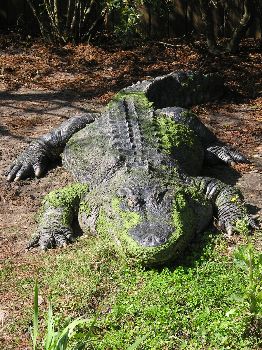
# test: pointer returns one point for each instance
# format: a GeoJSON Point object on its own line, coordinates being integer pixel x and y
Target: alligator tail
{"type": "Point", "coordinates": [181, 89]}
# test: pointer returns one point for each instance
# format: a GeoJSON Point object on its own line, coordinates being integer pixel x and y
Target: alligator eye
{"type": "Point", "coordinates": [135, 202]}
{"type": "Point", "coordinates": [161, 196]}
{"type": "Point", "coordinates": [123, 192]}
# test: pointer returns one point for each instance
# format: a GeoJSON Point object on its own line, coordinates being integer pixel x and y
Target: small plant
{"type": "Point", "coordinates": [77, 20]}
{"type": "Point", "coordinates": [251, 263]}
{"type": "Point", "coordinates": [55, 340]}
{"type": "Point", "coordinates": [242, 226]}
{"type": "Point", "coordinates": [59, 340]}
{"type": "Point", "coordinates": [137, 343]}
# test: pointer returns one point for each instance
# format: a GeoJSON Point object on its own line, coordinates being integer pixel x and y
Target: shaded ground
{"type": "Point", "coordinates": [40, 86]}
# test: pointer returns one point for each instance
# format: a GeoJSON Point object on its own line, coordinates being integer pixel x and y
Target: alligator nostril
{"type": "Point", "coordinates": [141, 202]}
{"type": "Point", "coordinates": [160, 196]}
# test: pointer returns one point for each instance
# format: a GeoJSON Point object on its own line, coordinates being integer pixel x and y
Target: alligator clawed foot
{"type": "Point", "coordinates": [48, 238]}
{"type": "Point", "coordinates": [225, 154]}
{"type": "Point", "coordinates": [237, 226]}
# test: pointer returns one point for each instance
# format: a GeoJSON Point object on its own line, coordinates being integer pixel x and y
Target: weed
{"type": "Point", "coordinates": [55, 340]}
{"type": "Point", "coordinates": [59, 340]}
{"type": "Point", "coordinates": [251, 263]}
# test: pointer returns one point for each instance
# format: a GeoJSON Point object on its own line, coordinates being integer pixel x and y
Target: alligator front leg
{"type": "Point", "coordinates": [37, 157]}
{"type": "Point", "coordinates": [228, 203]}
{"type": "Point", "coordinates": [60, 208]}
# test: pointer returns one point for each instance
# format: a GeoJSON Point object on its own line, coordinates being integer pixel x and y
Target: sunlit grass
{"type": "Point", "coordinates": [195, 303]}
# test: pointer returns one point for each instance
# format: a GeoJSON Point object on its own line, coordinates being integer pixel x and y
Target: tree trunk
{"type": "Point", "coordinates": [51, 17]}
{"type": "Point", "coordinates": [242, 28]}
{"type": "Point", "coordinates": [38, 18]}
{"type": "Point", "coordinates": [209, 25]}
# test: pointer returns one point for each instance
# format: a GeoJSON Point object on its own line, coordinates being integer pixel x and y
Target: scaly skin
{"type": "Point", "coordinates": [136, 167]}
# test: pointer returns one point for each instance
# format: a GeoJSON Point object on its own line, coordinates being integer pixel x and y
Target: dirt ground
{"type": "Point", "coordinates": [41, 86]}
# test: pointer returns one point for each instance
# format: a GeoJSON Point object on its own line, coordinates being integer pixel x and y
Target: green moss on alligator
{"type": "Point", "coordinates": [67, 199]}
{"type": "Point", "coordinates": [186, 113]}
{"type": "Point", "coordinates": [140, 98]}
{"type": "Point", "coordinates": [66, 196]}
{"type": "Point", "coordinates": [120, 222]}
{"type": "Point", "coordinates": [173, 135]}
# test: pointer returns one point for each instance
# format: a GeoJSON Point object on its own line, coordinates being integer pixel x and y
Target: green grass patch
{"type": "Point", "coordinates": [193, 304]}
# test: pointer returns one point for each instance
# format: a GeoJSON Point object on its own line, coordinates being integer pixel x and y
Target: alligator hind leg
{"type": "Point", "coordinates": [60, 207]}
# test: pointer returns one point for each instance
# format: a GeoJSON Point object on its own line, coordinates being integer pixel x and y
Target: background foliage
{"type": "Point", "coordinates": [80, 20]}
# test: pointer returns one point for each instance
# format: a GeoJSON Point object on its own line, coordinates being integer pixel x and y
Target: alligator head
{"type": "Point", "coordinates": [152, 202]}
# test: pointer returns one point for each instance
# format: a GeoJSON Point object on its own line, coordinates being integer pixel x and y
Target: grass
{"type": "Point", "coordinates": [194, 304]}
{"type": "Point", "coordinates": [53, 339]}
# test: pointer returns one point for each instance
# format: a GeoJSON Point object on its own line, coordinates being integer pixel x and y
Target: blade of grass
{"type": "Point", "coordinates": [34, 333]}
{"type": "Point", "coordinates": [62, 341]}
{"type": "Point", "coordinates": [50, 328]}
{"type": "Point", "coordinates": [68, 329]}
{"type": "Point", "coordinates": [137, 343]}
{"type": "Point", "coordinates": [89, 333]}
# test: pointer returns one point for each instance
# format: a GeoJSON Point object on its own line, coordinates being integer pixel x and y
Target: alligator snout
{"type": "Point", "coordinates": [151, 234]}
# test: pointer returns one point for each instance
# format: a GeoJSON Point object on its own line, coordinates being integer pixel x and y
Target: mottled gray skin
{"type": "Point", "coordinates": [139, 159]}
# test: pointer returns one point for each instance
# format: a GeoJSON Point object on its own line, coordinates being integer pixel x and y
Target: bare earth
{"type": "Point", "coordinates": [29, 109]}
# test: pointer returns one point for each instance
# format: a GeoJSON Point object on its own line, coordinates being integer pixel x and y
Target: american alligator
{"type": "Point", "coordinates": [136, 168]}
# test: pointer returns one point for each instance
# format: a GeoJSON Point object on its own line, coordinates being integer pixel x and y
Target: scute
{"type": "Point", "coordinates": [89, 155]}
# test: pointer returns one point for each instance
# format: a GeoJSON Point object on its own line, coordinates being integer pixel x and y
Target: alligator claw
{"type": "Point", "coordinates": [38, 169]}
{"type": "Point", "coordinates": [33, 243]}
{"type": "Point", "coordinates": [229, 231]}
{"type": "Point", "coordinates": [31, 161]}
{"type": "Point", "coordinates": [225, 154]}
{"type": "Point", "coordinates": [229, 226]}
{"type": "Point", "coordinates": [252, 223]}
{"type": "Point", "coordinates": [48, 238]}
